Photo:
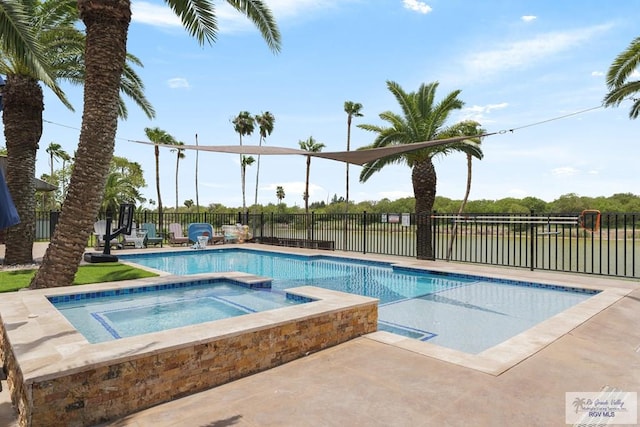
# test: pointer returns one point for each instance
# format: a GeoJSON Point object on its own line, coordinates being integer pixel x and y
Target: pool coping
{"type": "Point", "coordinates": [46, 345]}
{"type": "Point", "coordinates": [504, 356]}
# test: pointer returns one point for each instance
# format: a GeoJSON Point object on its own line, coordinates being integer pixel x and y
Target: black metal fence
{"type": "Point", "coordinates": [549, 242]}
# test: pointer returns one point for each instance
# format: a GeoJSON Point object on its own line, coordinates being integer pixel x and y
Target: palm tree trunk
{"type": "Point", "coordinates": [243, 174]}
{"type": "Point", "coordinates": [454, 229]}
{"type": "Point", "coordinates": [106, 23]}
{"type": "Point", "coordinates": [255, 201]}
{"type": "Point", "coordinates": [423, 177]}
{"type": "Point", "coordinates": [157, 154]}
{"type": "Point", "coordinates": [22, 116]}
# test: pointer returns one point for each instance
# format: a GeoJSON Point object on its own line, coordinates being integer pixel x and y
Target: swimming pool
{"type": "Point", "coordinates": [462, 312]}
{"type": "Point", "coordinates": [108, 315]}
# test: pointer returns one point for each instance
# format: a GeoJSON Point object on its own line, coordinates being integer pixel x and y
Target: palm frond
{"type": "Point", "coordinates": [20, 43]}
{"type": "Point", "coordinates": [198, 18]}
{"type": "Point", "coordinates": [261, 16]}
{"type": "Point", "coordinates": [624, 65]}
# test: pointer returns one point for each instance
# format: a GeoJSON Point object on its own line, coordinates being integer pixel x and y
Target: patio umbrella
{"type": "Point", "coordinates": [8, 213]}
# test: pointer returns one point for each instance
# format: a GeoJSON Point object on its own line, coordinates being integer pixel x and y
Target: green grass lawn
{"type": "Point", "coordinates": [12, 280]}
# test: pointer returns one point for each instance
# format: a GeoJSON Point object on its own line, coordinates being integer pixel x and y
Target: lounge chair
{"type": "Point", "coordinates": [152, 237]}
{"type": "Point", "coordinates": [175, 235]}
{"type": "Point", "coordinates": [135, 239]}
{"type": "Point", "coordinates": [100, 230]}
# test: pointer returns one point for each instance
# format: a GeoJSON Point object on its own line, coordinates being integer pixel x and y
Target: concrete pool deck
{"type": "Point", "coordinates": [373, 380]}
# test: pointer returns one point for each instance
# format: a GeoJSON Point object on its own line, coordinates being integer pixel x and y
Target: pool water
{"type": "Point", "coordinates": [463, 312]}
{"type": "Point", "coordinates": [106, 316]}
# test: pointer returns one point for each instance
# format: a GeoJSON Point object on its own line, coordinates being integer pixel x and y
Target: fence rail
{"type": "Point", "coordinates": [548, 242]}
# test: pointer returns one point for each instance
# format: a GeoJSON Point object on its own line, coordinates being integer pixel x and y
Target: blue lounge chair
{"type": "Point", "coordinates": [152, 237]}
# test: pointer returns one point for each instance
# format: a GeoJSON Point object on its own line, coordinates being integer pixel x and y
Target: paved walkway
{"type": "Point", "coordinates": [366, 382]}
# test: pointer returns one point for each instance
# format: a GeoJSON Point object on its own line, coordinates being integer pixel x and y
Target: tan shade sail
{"type": "Point", "coordinates": [356, 157]}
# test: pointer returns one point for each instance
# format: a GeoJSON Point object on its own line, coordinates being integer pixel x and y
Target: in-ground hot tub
{"type": "Point", "coordinates": [57, 377]}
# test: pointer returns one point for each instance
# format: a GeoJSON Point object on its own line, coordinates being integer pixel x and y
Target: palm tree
{"type": "Point", "coordinates": [18, 41]}
{"type": "Point", "coordinates": [158, 136]}
{"type": "Point", "coordinates": [353, 110]}
{"type": "Point", "coordinates": [107, 24]}
{"type": "Point", "coordinates": [311, 146]}
{"type": "Point", "coordinates": [619, 81]}
{"type": "Point", "coordinates": [29, 32]}
{"type": "Point", "coordinates": [179, 155]}
{"type": "Point", "coordinates": [280, 194]}
{"type": "Point", "coordinates": [53, 24]}
{"type": "Point", "coordinates": [422, 120]}
{"type": "Point", "coordinates": [246, 161]}
{"type": "Point", "coordinates": [243, 124]}
{"type": "Point", "coordinates": [55, 151]}
{"type": "Point", "coordinates": [118, 190]}
{"type": "Point", "coordinates": [466, 128]}
{"type": "Point", "coordinates": [265, 123]}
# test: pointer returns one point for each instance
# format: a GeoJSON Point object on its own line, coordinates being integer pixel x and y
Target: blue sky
{"type": "Point", "coordinates": [517, 63]}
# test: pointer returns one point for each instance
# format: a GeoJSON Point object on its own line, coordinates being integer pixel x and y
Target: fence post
{"type": "Point", "coordinates": [53, 221]}
{"type": "Point", "coordinates": [434, 235]}
{"type": "Point", "coordinates": [272, 225]}
{"type": "Point", "coordinates": [313, 227]}
{"type": "Point", "coordinates": [364, 232]}
{"type": "Point", "coordinates": [532, 243]}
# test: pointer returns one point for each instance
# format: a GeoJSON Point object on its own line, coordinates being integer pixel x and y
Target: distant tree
{"type": "Point", "coordinates": [188, 203]}
{"type": "Point", "coordinates": [265, 123]}
{"type": "Point", "coordinates": [312, 146]}
{"type": "Point", "coordinates": [55, 151]}
{"type": "Point", "coordinates": [179, 155]}
{"type": "Point", "coordinates": [622, 79]}
{"type": "Point", "coordinates": [280, 194]}
{"type": "Point", "coordinates": [119, 190]}
{"type": "Point", "coordinates": [569, 203]}
{"type": "Point", "coordinates": [423, 120]}
{"type": "Point", "coordinates": [353, 110]}
{"type": "Point", "coordinates": [132, 173]}
{"type": "Point", "coordinates": [158, 136]}
{"type": "Point", "coordinates": [244, 124]}
{"type": "Point", "coordinates": [246, 161]}
{"type": "Point", "coordinates": [131, 170]}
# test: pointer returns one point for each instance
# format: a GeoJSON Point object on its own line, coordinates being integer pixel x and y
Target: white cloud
{"type": "Point", "coordinates": [417, 6]}
{"type": "Point", "coordinates": [528, 18]}
{"type": "Point", "coordinates": [154, 14]}
{"type": "Point", "coordinates": [597, 73]}
{"type": "Point", "coordinates": [565, 171]}
{"type": "Point", "coordinates": [524, 53]}
{"type": "Point", "coordinates": [479, 112]}
{"type": "Point", "coordinates": [178, 83]}
{"type": "Point", "coordinates": [229, 19]}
